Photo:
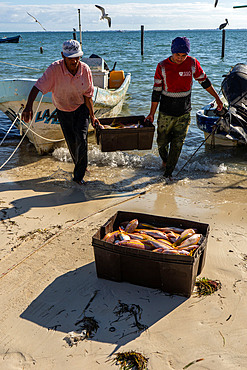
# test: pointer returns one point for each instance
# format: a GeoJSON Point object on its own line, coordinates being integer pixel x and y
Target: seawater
{"type": "Point", "coordinates": [25, 60]}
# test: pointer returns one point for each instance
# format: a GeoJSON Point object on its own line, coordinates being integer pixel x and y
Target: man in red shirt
{"type": "Point", "coordinates": [172, 92]}
{"type": "Point", "coordinates": [71, 84]}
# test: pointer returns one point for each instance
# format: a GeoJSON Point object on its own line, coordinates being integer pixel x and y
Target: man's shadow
{"type": "Point", "coordinates": [79, 294]}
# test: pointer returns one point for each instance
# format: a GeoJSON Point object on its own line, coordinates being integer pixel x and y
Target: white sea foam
{"type": "Point", "coordinates": [202, 166]}
{"type": "Point", "coordinates": [112, 159]}
{"type": "Point", "coordinates": [148, 161]}
{"type": "Point", "coordinates": [62, 155]}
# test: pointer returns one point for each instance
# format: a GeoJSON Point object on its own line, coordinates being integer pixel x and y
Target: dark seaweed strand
{"type": "Point", "coordinates": [131, 360]}
{"type": "Point", "coordinates": [207, 287]}
{"type": "Point", "coordinates": [89, 324]}
{"type": "Point", "coordinates": [132, 310]}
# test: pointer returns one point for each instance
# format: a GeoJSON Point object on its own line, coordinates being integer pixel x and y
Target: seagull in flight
{"type": "Point", "coordinates": [36, 20]}
{"type": "Point", "coordinates": [104, 15]}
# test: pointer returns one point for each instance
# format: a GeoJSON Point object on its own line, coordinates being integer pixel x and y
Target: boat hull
{"type": "Point", "coordinates": [12, 40]}
{"type": "Point", "coordinates": [206, 121]}
{"type": "Point", "coordinates": [45, 132]}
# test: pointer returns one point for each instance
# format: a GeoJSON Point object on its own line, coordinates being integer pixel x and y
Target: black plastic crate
{"type": "Point", "coordinates": [174, 274]}
{"type": "Point", "coordinates": [111, 140]}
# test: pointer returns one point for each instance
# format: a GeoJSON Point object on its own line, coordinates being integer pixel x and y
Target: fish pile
{"type": "Point", "coordinates": [114, 125]}
{"type": "Point", "coordinates": [167, 240]}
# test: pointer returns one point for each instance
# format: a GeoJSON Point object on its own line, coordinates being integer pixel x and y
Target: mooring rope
{"type": "Point", "coordinates": [15, 65]}
{"type": "Point", "coordinates": [23, 137]}
{"type": "Point", "coordinates": [10, 128]}
{"type": "Point", "coordinates": [41, 137]}
{"type": "Point", "coordinates": [211, 133]}
{"type": "Point", "coordinates": [67, 228]}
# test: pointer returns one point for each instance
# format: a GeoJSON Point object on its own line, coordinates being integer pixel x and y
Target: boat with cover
{"type": "Point", "coordinates": [12, 39]}
{"type": "Point", "coordinates": [110, 88]}
{"type": "Point", "coordinates": [227, 128]}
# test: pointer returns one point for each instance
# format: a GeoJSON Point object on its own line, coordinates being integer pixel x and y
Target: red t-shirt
{"type": "Point", "coordinates": [173, 84]}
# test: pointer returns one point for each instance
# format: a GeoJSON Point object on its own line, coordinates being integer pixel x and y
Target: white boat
{"type": "Point", "coordinates": [44, 131]}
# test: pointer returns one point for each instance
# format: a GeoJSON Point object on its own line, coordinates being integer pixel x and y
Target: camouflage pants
{"type": "Point", "coordinates": [171, 134]}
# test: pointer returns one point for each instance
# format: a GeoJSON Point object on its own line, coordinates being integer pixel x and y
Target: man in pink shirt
{"type": "Point", "coordinates": [71, 84]}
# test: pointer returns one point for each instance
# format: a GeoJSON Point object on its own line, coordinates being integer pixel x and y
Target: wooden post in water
{"type": "Point", "coordinates": [74, 33]}
{"type": "Point", "coordinates": [223, 43]}
{"type": "Point", "coordinates": [142, 40]}
{"type": "Point", "coordinates": [79, 13]}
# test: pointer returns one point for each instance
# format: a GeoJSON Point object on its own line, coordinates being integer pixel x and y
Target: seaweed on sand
{"type": "Point", "coordinates": [90, 325]}
{"type": "Point", "coordinates": [130, 360]}
{"type": "Point", "coordinates": [207, 286]}
{"type": "Point", "coordinates": [133, 310]}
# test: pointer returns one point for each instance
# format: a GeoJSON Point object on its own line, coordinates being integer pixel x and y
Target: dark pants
{"type": "Point", "coordinates": [75, 129]}
{"type": "Point", "coordinates": [171, 135]}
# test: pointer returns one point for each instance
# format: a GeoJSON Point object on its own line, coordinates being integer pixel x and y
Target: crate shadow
{"type": "Point", "coordinates": [62, 305]}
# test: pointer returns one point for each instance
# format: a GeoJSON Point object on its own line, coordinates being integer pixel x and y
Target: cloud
{"type": "Point", "coordinates": [125, 16]}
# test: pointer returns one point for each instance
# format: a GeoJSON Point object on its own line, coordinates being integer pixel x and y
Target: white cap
{"type": "Point", "coordinates": [72, 49]}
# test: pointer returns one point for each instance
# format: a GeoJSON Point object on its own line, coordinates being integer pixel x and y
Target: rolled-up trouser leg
{"type": "Point", "coordinates": [180, 126]}
{"type": "Point", "coordinates": [75, 129]}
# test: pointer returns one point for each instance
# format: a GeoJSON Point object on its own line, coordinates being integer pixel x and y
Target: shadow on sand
{"type": "Point", "coordinates": [79, 293]}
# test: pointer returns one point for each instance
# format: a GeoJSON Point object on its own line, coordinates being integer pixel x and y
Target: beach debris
{"type": "Point", "coordinates": [130, 360]}
{"type": "Point", "coordinates": [192, 363]}
{"type": "Point", "coordinates": [207, 286]}
{"type": "Point", "coordinates": [89, 325]}
{"type": "Point", "coordinates": [166, 240]}
{"type": "Point", "coordinates": [132, 310]}
{"type": "Point", "coordinates": [229, 317]}
{"type": "Point", "coordinates": [74, 337]}
{"type": "Point", "coordinates": [88, 328]}
{"type": "Point", "coordinates": [224, 341]}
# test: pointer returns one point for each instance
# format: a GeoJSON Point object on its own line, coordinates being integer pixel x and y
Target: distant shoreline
{"type": "Point", "coordinates": [146, 30]}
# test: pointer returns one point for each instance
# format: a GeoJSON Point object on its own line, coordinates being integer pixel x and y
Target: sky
{"type": "Point", "coordinates": [60, 15]}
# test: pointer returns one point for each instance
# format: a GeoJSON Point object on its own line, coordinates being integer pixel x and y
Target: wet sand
{"type": "Point", "coordinates": [48, 274]}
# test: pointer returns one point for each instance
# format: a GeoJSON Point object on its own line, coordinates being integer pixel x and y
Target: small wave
{"type": "Point", "coordinates": [202, 166]}
{"type": "Point", "coordinates": [112, 159]}
{"type": "Point", "coordinates": [62, 155]}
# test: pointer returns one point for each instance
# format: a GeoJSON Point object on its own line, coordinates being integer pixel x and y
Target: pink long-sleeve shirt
{"type": "Point", "coordinates": [67, 90]}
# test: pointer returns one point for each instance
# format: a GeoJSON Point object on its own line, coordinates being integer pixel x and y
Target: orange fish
{"type": "Point", "coordinates": [132, 225]}
{"type": "Point", "coordinates": [132, 243]}
{"type": "Point", "coordinates": [194, 239]}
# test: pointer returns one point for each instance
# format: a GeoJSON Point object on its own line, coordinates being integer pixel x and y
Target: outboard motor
{"type": "Point", "coordinates": [234, 89]}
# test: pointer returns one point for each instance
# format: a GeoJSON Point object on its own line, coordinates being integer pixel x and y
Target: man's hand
{"type": "Point", "coordinates": [150, 118]}
{"type": "Point", "coordinates": [219, 103]}
{"type": "Point", "coordinates": [95, 122]}
{"type": "Point", "coordinates": [27, 115]}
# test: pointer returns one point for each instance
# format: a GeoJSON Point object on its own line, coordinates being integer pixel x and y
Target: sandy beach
{"type": "Point", "coordinates": [49, 281]}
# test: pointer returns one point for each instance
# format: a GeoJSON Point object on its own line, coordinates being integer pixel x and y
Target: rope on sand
{"type": "Point", "coordinates": [67, 228]}
{"type": "Point", "coordinates": [93, 214]}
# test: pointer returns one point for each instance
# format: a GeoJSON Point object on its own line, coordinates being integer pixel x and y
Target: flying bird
{"type": "Point", "coordinates": [215, 4]}
{"type": "Point", "coordinates": [223, 25]}
{"type": "Point", "coordinates": [36, 20]}
{"type": "Point", "coordinates": [104, 15]}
